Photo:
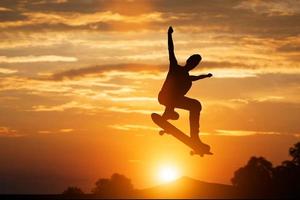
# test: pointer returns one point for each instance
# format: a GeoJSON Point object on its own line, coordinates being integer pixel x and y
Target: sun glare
{"type": "Point", "coordinates": [168, 173]}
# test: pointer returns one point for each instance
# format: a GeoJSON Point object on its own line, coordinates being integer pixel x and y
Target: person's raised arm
{"type": "Point", "coordinates": [172, 57]}
{"type": "Point", "coordinates": [195, 78]}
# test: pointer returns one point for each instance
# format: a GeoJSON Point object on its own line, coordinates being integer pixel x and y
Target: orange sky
{"type": "Point", "coordinates": [79, 79]}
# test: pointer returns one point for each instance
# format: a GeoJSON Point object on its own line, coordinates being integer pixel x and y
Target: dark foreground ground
{"type": "Point", "coordinates": [184, 188]}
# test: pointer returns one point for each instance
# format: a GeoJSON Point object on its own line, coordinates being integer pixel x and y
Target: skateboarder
{"type": "Point", "coordinates": [177, 84]}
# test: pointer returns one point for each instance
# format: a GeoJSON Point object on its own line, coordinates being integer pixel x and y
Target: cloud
{"type": "Point", "coordinates": [63, 107]}
{"type": "Point", "coordinates": [66, 130]}
{"type": "Point", "coordinates": [45, 132]}
{"type": "Point", "coordinates": [63, 130]}
{"type": "Point", "coordinates": [8, 132]}
{"type": "Point", "coordinates": [130, 127]}
{"type": "Point", "coordinates": [129, 110]}
{"type": "Point", "coordinates": [260, 117]}
{"type": "Point", "coordinates": [157, 72]}
{"type": "Point", "coordinates": [270, 98]}
{"type": "Point", "coordinates": [244, 133]}
{"type": "Point", "coordinates": [91, 6]}
{"type": "Point", "coordinates": [4, 9]}
{"type": "Point", "coordinates": [133, 99]}
{"type": "Point", "coordinates": [8, 71]}
{"type": "Point", "coordinates": [231, 17]}
{"type": "Point", "coordinates": [117, 69]}
{"type": "Point", "coordinates": [8, 15]}
{"type": "Point", "coordinates": [290, 48]}
{"type": "Point", "coordinates": [30, 85]}
{"type": "Point", "coordinates": [87, 89]}
{"type": "Point", "coordinates": [31, 59]}
{"type": "Point", "coordinates": [271, 8]}
{"type": "Point", "coordinates": [233, 73]}
{"type": "Point", "coordinates": [81, 19]}
{"type": "Point", "coordinates": [60, 1]}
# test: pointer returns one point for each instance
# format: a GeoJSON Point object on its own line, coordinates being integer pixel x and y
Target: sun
{"type": "Point", "coordinates": [168, 173]}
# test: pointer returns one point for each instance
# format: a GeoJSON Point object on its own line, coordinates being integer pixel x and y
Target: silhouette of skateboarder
{"type": "Point", "coordinates": [178, 82]}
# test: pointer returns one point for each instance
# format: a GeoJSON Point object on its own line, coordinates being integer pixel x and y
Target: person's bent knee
{"type": "Point", "coordinates": [162, 99]}
{"type": "Point", "coordinates": [197, 106]}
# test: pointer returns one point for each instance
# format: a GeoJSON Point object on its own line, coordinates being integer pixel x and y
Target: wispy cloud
{"type": "Point", "coordinates": [31, 59]}
{"type": "Point", "coordinates": [81, 19]}
{"type": "Point", "coordinates": [129, 110]}
{"type": "Point", "coordinates": [133, 99]}
{"type": "Point", "coordinates": [45, 132]}
{"type": "Point", "coordinates": [270, 98]}
{"type": "Point", "coordinates": [132, 71]}
{"type": "Point", "coordinates": [274, 8]}
{"type": "Point", "coordinates": [4, 9]}
{"type": "Point", "coordinates": [63, 107]}
{"type": "Point", "coordinates": [233, 73]}
{"type": "Point", "coordinates": [128, 127]}
{"type": "Point", "coordinates": [125, 70]}
{"type": "Point", "coordinates": [63, 130]}
{"type": "Point", "coordinates": [245, 133]}
{"type": "Point", "coordinates": [8, 132]}
{"type": "Point", "coordinates": [66, 130]}
{"type": "Point", "coordinates": [8, 71]}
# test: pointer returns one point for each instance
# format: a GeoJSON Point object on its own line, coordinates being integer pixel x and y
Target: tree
{"type": "Point", "coordinates": [73, 191]}
{"type": "Point", "coordinates": [259, 178]}
{"type": "Point", "coordinates": [255, 178]}
{"type": "Point", "coordinates": [117, 185]}
{"type": "Point", "coordinates": [295, 153]}
{"type": "Point", "coordinates": [287, 175]}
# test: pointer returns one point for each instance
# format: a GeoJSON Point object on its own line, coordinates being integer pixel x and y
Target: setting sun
{"type": "Point", "coordinates": [168, 173]}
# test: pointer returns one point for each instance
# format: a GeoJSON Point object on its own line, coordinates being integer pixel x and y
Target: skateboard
{"type": "Point", "coordinates": [197, 148]}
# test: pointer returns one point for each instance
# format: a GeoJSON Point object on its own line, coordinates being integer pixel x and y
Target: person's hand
{"type": "Point", "coordinates": [170, 30]}
{"type": "Point", "coordinates": [209, 75]}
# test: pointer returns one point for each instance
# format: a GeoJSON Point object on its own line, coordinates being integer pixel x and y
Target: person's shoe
{"type": "Point", "coordinates": [171, 115]}
{"type": "Point", "coordinates": [206, 146]}
{"type": "Point", "coordinates": [196, 138]}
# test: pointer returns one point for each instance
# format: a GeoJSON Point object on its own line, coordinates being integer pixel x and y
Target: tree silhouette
{"type": "Point", "coordinates": [260, 178]}
{"type": "Point", "coordinates": [117, 185]}
{"type": "Point", "coordinates": [255, 178]}
{"type": "Point", "coordinates": [295, 153]}
{"type": "Point", "coordinates": [287, 175]}
{"type": "Point", "coordinates": [73, 191]}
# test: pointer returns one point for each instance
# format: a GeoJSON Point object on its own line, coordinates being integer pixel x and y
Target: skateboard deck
{"type": "Point", "coordinates": [172, 130]}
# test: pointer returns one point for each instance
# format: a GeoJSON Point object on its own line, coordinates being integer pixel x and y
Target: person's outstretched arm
{"type": "Point", "coordinates": [172, 57]}
{"type": "Point", "coordinates": [195, 78]}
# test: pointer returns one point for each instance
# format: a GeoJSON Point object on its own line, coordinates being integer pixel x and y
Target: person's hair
{"type": "Point", "coordinates": [193, 61]}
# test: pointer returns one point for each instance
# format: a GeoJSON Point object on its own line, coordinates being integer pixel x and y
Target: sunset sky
{"type": "Point", "coordinates": [80, 78]}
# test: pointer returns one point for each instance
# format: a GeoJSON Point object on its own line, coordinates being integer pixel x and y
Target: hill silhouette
{"type": "Point", "coordinates": [186, 187]}
{"type": "Point", "coordinates": [119, 186]}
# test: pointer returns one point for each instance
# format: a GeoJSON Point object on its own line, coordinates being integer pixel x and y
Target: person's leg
{"type": "Point", "coordinates": [169, 112]}
{"type": "Point", "coordinates": [194, 107]}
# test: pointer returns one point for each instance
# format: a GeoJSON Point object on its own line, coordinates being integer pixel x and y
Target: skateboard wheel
{"type": "Point", "coordinates": [192, 153]}
{"type": "Point", "coordinates": [162, 132]}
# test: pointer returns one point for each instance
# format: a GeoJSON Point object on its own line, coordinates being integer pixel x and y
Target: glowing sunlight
{"type": "Point", "coordinates": [168, 173]}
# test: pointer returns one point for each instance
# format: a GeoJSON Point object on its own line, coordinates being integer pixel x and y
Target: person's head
{"type": "Point", "coordinates": [192, 61]}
